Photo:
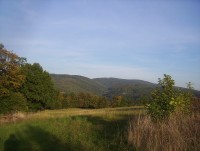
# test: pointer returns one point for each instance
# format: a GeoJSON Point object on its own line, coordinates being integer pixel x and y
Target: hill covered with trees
{"type": "Point", "coordinates": [130, 90]}
{"type": "Point", "coordinates": [135, 91]}
{"type": "Point", "coordinates": [77, 84]}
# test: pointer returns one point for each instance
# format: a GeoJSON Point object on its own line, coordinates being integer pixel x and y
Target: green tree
{"type": "Point", "coordinates": [38, 88]}
{"type": "Point", "coordinates": [102, 102]}
{"type": "Point", "coordinates": [13, 103]}
{"type": "Point", "coordinates": [165, 100]}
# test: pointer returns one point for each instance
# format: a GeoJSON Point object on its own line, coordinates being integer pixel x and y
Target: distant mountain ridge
{"type": "Point", "coordinates": [109, 87]}
{"type": "Point", "coordinates": [132, 90]}
{"type": "Point", "coordinates": [77, 83]}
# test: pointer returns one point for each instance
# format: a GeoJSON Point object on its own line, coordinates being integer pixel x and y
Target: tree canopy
{"type": "Point", "coordinates": [11, 80]}
{"type": "Point", "coordinates": [11, 76]}
{"type": "Point", "coordinates": [38, 87]}
{"type": "Point", "coordinates": [24, 86]}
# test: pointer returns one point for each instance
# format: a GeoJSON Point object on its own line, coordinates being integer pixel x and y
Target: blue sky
{"type": "Point", "coordinates": [130, 39]}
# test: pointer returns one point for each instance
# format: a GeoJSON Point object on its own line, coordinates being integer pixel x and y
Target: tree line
{"type": "Point", "coordinates": [27, 87]}
{"type": "Point", "coordinates": [87, 100]}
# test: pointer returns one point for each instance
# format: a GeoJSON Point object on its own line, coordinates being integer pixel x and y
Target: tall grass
{"type": "Point", "coordinates": [68, 130]}
{"type": "Point", "coordinates": [178, 133]}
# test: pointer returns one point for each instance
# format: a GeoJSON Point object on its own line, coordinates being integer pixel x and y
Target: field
{"type": "Point", "coordinates": [69, 129]}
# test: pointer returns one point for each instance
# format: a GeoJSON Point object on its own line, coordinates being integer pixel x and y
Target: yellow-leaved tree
{"type": "Point", "coordinates": [11, 79]}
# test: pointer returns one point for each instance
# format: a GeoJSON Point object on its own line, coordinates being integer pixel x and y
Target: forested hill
{"type": "Point", "coordinates": [109, 87]}
{"type": "Point", "coordinates": [76, 83]}
{"type": "Point", "coordinates": [132, 90]}
{"type": "Point", "coordinates": [115, 82]}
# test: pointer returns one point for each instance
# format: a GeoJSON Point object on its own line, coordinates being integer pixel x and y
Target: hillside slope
{"type": "Point", "coordinates": [75, 83]}
{"type": "Point", "coordinates": [115, 82]}
{"type": "Point", "coordinates": [132, 90]}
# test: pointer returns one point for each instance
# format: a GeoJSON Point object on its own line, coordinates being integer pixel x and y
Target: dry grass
{"type": "Point", "coordinates": [106, 112]}
{"type": "Point", "coordinates": [179, 133]}
{"type": "Point", "coordinates": [111, 113]}
{"type": "Point", "coordinates": [12, 117]}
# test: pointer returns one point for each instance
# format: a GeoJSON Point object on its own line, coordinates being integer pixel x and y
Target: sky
{"type": "Point", "coordinates": [128, 39]}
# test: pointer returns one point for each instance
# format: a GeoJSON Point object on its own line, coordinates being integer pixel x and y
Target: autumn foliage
{"type": "Point", "coordinates": [11, 77]}
{"type": "Point", "coordinates": [23, 86]}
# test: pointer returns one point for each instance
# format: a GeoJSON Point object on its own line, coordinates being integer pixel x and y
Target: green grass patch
{"type": "Point", "coordinates": [94, 130]}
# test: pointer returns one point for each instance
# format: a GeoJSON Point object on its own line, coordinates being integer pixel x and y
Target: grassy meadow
{"type": "Point", "coordinates": [69, 129]}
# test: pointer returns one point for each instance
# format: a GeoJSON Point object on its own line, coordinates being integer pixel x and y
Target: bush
{"type": "Point", "coordinates": [13, 103]}
{"type": "Point", "coordinates": [166, 99]}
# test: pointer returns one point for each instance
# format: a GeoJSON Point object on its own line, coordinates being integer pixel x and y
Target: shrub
{"type": "Point", "coordinates": [165, 100]}
{"type": "Point", "coordinates": [13, 103]}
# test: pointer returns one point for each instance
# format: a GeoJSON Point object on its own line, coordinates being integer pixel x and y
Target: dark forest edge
{"type": "Point", "coordinates": [27, 87]}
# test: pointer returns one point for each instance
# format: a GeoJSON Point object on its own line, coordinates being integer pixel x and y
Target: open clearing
{"type": "Point", "coordinates": [69, 129]}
